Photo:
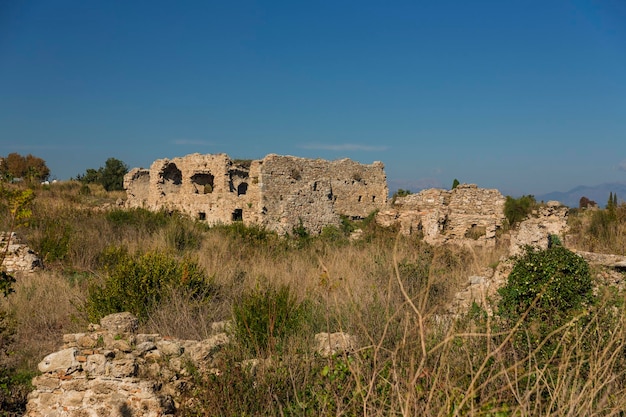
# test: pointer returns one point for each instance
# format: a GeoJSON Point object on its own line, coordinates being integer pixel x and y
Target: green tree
{"type": "Point", "coordinates": [112, 175]}
{"type": "Point", "coordinates": [91, 176]}
{"type": "Point", "coordinates": [455, 183]}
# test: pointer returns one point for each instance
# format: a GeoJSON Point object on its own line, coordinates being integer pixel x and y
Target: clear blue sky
{"type": "Point", "coordinates": [524, 96]}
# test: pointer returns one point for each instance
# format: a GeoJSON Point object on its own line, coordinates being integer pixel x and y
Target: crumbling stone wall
{"type": "Point", "coordinates": [113, 371]}
{"type": "Point", "coordinates": [315, 193]}
{"type": "Point", "coordinates": [277, 192]}
{"type": "Point", "coordinates": [535, 230]}
{"type": "Point", "coordinates": [466, 213]}
{"type": "Point", "coordinates": [18, 256]}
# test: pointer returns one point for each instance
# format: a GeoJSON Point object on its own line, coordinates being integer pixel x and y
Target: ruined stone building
{"type": "Point", "coordinates": [276, 192]}
{"type": "Point", "coordinates": [465, 213]}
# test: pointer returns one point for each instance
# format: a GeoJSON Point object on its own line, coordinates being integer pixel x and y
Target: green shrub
{"type": "Point", "coordinates": [139, 218]}
{"type": "Point", "coordinates": [14, 389]}
{"type": "Point", "coordinates": [545, 289]}
{"type": "Point", "coordinates": [265, 317]}
{"type": "Point", "coordinates": [84, 190]}
{"type": "Point", "coordinates": [517, 209]}
{"type": "Point", "coordinates": [54, 243]}
{"type": "Point", "coordinates": [183, 234]}
{"type": "Point", "coordinates": [251, 234]}
{"type": "Point", "coordinates": [138, 283]}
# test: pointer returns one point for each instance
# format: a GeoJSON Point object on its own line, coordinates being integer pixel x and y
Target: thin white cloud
{"type": "Point", "coordinates": [622, 165]}
{"type": "Point", "coordinates": [190, 142]}
{"type": "Point", "coordinates": [343, 147]}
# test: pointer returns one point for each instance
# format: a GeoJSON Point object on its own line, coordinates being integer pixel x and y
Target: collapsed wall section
{"type": "Point", "coordinates": [464, 213]}
{"type": "Point", "coordinates": [315, 193]}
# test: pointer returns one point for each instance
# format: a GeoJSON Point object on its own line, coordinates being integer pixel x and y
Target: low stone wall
{"type": "Point", "coordinates": [19, 257]}
{"type": "Point", "coordinates": [113, 371]}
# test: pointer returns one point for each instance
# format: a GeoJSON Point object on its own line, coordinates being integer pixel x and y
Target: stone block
{"type": "Point", "coordinates": [62, 361]}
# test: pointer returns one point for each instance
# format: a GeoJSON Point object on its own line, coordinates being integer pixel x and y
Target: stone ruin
{"type": "Point", "coordinates": [113, 371]}
{"type": "Point", "coordinates": [277, 192]}
{"type": "Point", "coordinates": [18, 257]}
{"type": "Point", "coordinates": [464, 214]}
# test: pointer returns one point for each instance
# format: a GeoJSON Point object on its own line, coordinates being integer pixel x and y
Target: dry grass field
{"type": "Point", "coordinates": [388, 290]}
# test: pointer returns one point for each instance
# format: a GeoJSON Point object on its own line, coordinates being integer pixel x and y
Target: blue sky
{"type": "Point", "coordinates": [524, 96]}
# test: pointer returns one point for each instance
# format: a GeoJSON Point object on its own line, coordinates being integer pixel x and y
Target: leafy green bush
{"type": "Point", "coordinates": [265, 317]}
{"type": "Point", "coordinates": [252, 233]}
{"type": "Point", "coordinates": [139, 218]}
{"type": "Point", "coordinates": [545, 289]}
{"type": "Point", "coordinates": [184, 234]}
{"type": "Point", "coordinates": [54, 243]}
{"type": "Point", "coordinates": [138, 283]}
{"type": "Point", "coordinates": [517, 209]}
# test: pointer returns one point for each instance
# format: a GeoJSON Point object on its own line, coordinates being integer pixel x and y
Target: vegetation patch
{"type": "Point", "coordinates": [137, 283]}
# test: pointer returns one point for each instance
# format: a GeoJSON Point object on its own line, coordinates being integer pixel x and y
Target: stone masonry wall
{"type": "Point", "coordinates": [465, 214]}
{"type": "Point", "coordinates": [277, 192]}
{"type": "Point", "coordinates": [317, 192]}
{"type": "Point", "coordinates": [18, 256]}
{"type": "Point", "coordinates": [112, 371]}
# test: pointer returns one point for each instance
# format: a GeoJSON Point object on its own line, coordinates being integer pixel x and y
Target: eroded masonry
{"type": "Point", "coordinates": [277, 192]}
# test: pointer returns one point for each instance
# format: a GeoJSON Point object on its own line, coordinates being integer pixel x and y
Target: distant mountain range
{"type": "Point", "coordinates": [598, 193]}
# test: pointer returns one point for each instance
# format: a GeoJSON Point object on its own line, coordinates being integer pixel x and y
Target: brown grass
{"type": "Point", "coordinates": [389, 290]}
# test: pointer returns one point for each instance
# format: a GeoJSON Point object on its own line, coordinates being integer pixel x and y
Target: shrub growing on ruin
{"type": "Point", "coordinates": [137, 283]}
{"type": "Point", "coordinates": [517, 209]}
{"type": "Point", "coordinates": [544, 291]}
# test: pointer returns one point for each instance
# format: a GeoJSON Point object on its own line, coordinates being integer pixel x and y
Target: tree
{"type": "Point", "coordinates": [609, 204]}
{"type": "Point", "coordinates": [585, 203]}
{"type": "Point", "coordinates": [110, 176]}
{"type": "Point", "coordinates": [29, 168]}
{"type": "Point", "coordinates": [455, 183]}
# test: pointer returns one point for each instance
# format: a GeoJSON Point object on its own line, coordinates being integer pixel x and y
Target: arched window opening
{"type": "Point", "coordinates": [172, 178]}
{"type": "Point", "coordinates": [203, 183]}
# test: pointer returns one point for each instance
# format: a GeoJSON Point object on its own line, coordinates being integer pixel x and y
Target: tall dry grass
{"type": "Point", "coordinates": [389, 290]}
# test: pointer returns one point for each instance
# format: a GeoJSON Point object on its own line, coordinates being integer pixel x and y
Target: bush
{"type": "Point", "coordinates": [183, 234]}
{"type": "Point", "coordinates": [517, 209]}
{"type": "Point", "coordinates": [265, 317]}
{"type": "Point", "coordinates": [139, 218]}
{"type": "Point", "coordinates": [138, 283]}
{"type": "Point", "coordinates": [545, 289]}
